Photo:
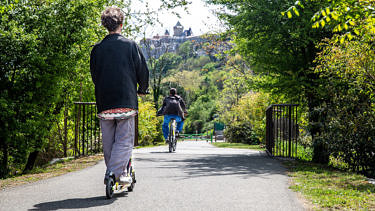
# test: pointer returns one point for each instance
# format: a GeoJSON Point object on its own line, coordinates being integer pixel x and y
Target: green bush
{"type": "Point", "coordinates": [240, 132]}
{"type": "Point", "coordinates": [250, 110]}
{"type": "Point", "coordinates": [148, 124]}
{"type": "Point", "coordinates": [349, 106]}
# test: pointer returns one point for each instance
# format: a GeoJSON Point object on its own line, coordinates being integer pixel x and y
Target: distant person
{"type": "Point", "coordinates": [173, 108]}
{"type": "Point", "coordinates": [117, 66]}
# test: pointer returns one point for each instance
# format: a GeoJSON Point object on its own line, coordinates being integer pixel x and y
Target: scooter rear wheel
{"type": "Point", "coordinates": [109, 188]}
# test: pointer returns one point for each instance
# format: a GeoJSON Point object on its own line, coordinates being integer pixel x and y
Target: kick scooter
{"type": "Point", "coordinates": [112, 186]}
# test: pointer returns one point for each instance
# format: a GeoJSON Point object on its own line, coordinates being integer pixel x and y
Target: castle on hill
{"type": "Point", "coordinates": [160, 44]}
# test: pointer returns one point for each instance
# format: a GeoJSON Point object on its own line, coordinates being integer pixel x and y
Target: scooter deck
{"type": "Point", "coordinates": [119, 187]}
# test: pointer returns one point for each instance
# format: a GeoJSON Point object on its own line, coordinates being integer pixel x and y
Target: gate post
{"type": "Point", "coordinates": [290, 131]}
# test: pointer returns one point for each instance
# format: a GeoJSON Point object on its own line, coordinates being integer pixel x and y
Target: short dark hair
{"type": "Point", "coordinates": [112, 18]}
{"type": "Point", "coordinates": [173, 91]}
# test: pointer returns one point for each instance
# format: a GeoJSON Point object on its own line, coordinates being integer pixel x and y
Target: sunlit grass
{"type": "Point", "coordinates": [238, 146]}
{"type": "Point", "coordinates": [328, 188]}
{"type": "Point", "coordinates": [49, 171]}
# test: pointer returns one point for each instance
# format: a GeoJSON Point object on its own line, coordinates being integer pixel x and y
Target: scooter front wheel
{"type": "Point", "coordinates": [131, 187]}
{"type": "Point", "coordinates": [109, 187]}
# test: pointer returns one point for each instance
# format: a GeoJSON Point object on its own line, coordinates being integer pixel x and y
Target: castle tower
{"type": "Point", "coordinates": [178, 29]}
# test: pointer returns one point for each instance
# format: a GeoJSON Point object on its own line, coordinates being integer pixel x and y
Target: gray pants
{"type": "Point", "coordinates": [118, 142]}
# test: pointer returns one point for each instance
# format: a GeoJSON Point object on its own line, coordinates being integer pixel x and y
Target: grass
{"type": "Point", "coordinates": [301, 153]}
{"type": "Point", "coordinates": [49, 171]}
{"type": "Point", "coordinates": [151, 145]}
{"type": "Point", "coordinates": [331, 189]}
{"type": "Point", "coordinates": [238, 146]}
{"type": "Point", "coordinates": [56, 169]}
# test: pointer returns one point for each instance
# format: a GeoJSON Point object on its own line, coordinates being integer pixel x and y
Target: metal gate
{"type": "Point", "coordinates": [87, 135]}
{"type": "Point", "coordinates": [282, 130]}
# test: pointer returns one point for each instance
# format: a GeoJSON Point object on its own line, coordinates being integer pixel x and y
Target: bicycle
{"type": "Point", "coordinates": [172, 135]}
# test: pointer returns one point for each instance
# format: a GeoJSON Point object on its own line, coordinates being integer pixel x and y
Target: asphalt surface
{"type": "Point", "coordinates": [197, 176]}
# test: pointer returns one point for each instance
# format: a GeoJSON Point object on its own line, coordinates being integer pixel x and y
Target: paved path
{"type": "Point", "coordinates": [197, 177]}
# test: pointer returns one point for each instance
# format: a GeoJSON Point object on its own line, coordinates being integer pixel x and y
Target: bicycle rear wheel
{"type": "Point", "coordinates": [172, 135]}
{"type": "Point", "coordinates": [174, 144]}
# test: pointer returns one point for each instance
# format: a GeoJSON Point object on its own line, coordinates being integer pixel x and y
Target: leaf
{"type": "Point", "coordinates": [296, 11]}
{"type": "Point", "coordinates": [346, 26]}
{"type": "Point", "coordinates": [334, 16]}
{"type": "Point", "coordinates": [342, 39]}
{"type": "Point", "coordinates": [328, 11]}
{"type": "Point", "coordinates": [323, 23]}
{"type": "Point", "coordinates": [289, 14]}
{"type": "Point", "coordinates": [299, 4]}
{"type": "Point", "coordinates": [350, 36]}
{"type": "Point", "coordinates": [339, 28]}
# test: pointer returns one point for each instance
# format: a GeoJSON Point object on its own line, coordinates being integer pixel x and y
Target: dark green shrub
{"type": "Point", "coordinates": [240, 132]}
{"type": "Point", "coordinates": [349, 107]}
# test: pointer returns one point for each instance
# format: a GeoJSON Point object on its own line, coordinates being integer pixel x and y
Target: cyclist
{"type": "Point", "coordinates": [117, 66]}
{"type": "Point", "coordinates": [173, 107]}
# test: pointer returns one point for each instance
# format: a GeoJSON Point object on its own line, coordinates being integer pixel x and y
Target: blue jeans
{"type": "Point", "coordinates": [167, 119]}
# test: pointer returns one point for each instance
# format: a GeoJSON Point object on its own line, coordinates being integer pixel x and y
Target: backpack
{"type": "Point", "coordinates": [173, 105]}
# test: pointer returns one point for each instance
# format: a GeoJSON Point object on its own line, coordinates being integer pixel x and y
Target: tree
{"type": "Point", "coordinates": [186, 50]}
{"type": "Point", "coordinates": [349, 103]}
{"type": "Point", "coordinates": [279, 48]}
{"type": "Point", "coordinates": [348, 18]}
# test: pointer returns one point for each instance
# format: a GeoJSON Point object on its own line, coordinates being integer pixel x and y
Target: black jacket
{"type": "Point", "coordinates": [117, 65]}
{"type": "Point", "coordinates": [179, 112]}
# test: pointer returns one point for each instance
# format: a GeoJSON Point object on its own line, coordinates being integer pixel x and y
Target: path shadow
{"type": "Point", "coordinates": [78, 203]}
{"type": "Point", "coordinates": [244, 165]}
{"type": "Point", "coordinates": [162, 152]}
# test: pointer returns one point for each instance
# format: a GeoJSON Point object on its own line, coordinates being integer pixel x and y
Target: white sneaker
{"type": "Point", "coordinates": [124, 180]}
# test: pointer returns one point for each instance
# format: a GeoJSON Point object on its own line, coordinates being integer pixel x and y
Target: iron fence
{"type": "Point", "coordinates": [282, 130]}
{"type": "Point", "coordinates": [87, 136]}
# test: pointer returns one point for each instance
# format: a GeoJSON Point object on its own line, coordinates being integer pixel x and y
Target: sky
{"type": "Point", "coordinates": [200, 18]}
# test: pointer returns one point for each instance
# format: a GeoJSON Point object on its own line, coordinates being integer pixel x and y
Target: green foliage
{"type": "Point", "coordinates": [349, 72]}
{"type": "Point", "coordinates": [209, 67]}
{"type": "Point", "coordinates": [186, 50]}
{"type": "Point", "coordinates": [278, 49]}
{"type": "Point", "coordinates": [240, 132]}
{"type": "Point", "coordinates": [350, 19]}
{"type": "Point", "coordinates": [201, 113]}
{"type": "Point", "coordinates": [40, 44]}
{"type": "Point", "coordinates": [250, 110]}
{"type": "Point", "coordinates": [148, 124]}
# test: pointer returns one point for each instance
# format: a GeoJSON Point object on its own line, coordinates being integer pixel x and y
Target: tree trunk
{"type": "Point", "coordinates": [31, 161]}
